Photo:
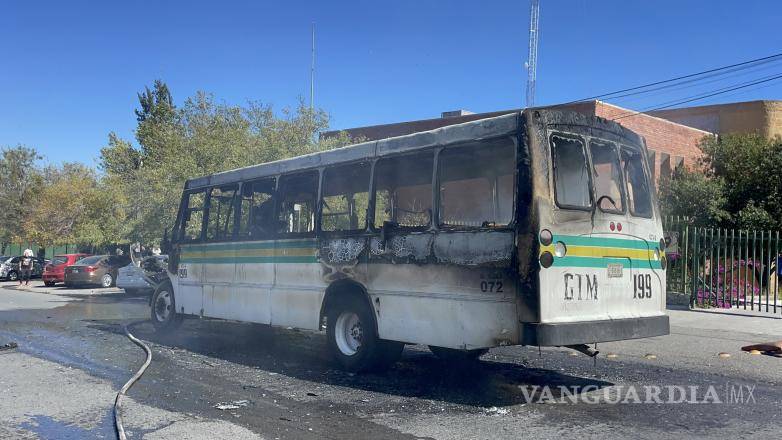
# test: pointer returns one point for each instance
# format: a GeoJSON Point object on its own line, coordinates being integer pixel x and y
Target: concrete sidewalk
{"type": "Point", "coordinates": [740, 320]}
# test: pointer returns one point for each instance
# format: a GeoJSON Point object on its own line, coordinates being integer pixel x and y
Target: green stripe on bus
{"type": "Point", "coordinates": [604, 262]}
{"type": "Point", "coordinates": [583, 240]}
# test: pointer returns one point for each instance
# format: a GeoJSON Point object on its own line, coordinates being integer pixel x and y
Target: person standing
{"type": "Point", "coordinates": [26, 267]}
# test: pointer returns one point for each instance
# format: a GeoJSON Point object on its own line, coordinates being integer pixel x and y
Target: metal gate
{"type": "Point", "coordinates": [726, 268]}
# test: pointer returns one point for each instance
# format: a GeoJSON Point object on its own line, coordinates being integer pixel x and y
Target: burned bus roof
{"type": "Point", "coordinates": [451, 134]}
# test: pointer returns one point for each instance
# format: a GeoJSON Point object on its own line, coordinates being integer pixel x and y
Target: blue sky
{"type": "Point", "coordinates": [70, 71]}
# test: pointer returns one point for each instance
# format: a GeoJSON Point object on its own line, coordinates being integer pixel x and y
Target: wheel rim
{"type": "Point", "coordinates": [163, 306]}
{"type": "Point", "coordinates": [106, 280]}
{"type": "Point", "coordinates": [348, 333]}
{"type": "Point", "coordinates": [13, 276]}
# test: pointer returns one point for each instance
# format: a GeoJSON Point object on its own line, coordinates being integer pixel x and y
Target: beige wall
{"type": "Point", "coordinates": [763, 117]}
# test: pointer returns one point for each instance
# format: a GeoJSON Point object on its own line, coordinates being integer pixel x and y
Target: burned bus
{"type": "Point", "coordinates": [539, 227]}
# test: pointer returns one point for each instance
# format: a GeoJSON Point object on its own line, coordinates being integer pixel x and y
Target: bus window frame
{"type": "Point", "coordinates": [514, 190]}
{"type": "Point", "coordinates": [271, 236]}
{"type": "Point", "coordinates": [647, 174]}
{"type": "Point", "coordinates": [316, 206]}
{"type": "Point", "coordinates": [184, 217]}
{"type": "Point", "coordinates": [208, 208]}
{"type": "Point", "coordinates": [622, 190]}
{"type": "Point", "coordinates": [432, 225]}
{"type": "Point", "coordinates": [587, 162]}
{"type": "Point", "coordinates": [370, 214]}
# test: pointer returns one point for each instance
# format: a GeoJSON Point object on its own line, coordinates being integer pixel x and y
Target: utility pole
{"type": "Point", "coordinates": [312, 71]}
{"type": "Point", "coordinates": [532, 60]}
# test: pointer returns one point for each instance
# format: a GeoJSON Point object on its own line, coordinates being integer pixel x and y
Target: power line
{"type": "Point", "coordinates": [679, 78]}
{"type": "Point", "coordinates": [702, 96]}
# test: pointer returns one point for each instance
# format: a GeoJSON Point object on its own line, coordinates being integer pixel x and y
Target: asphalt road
{"type": "Point", "coordinates": [73, 357]}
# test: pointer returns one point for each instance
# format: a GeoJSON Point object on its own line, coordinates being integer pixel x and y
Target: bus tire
{"type": "Point", "coordinates": [163, 308]}
{"type": "Point", "coordinates": [454, 355]}
{"type": "Point", "coordinates": [352, 337]}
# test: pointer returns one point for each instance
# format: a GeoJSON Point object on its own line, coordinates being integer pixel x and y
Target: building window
{"type": "Point", "coordinates": [403, 190]}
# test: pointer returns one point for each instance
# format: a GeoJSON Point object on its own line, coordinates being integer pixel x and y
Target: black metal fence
{"type": "Point", "coordinates": [727, 268]}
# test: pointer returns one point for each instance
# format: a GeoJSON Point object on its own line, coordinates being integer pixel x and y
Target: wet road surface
{"type": "Point", "coordinates": [73, 357]}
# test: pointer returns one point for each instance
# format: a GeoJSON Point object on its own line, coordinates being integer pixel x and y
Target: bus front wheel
{"type": "Point", "coordinates": [164, 315]}
{"type": "Point", "coordinates": [353, 340]}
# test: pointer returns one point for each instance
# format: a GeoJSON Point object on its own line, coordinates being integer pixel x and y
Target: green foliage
{"type": "Point", "coordinates": [739, 184]}
{"type": "Point", "coordinates": [693, 195]}
{"type": "Point", "coordinates": [199, 138]}
{"type": "Point", "coordinates": [21, 180]}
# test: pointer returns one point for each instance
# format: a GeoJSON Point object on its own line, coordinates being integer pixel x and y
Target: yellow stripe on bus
{"type": "Point", "coordinates": [594, 251]}
{"type": "Point", "coordinates": [284, 252]}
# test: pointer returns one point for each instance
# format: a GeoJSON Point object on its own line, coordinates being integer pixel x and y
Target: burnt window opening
{"type": "Point", "coordinates": [476, 184]}
{"type": "Point", "coordinates": [193, 216]}
{"type": "Point", "coordinates": [571, 176]}
{"type": "Point", "coordinates": [639, 195]}
{"type": "Point", "coordinates": [403, 190]}
{"type": "Point", "coordinates": [220, 225]}
{"type": "Point", "coordinates": [298, 194]}
{"type": "Point", "coordinates": [257, 210]}
{"type": "Point", "coordinates": [607, 176]}
{"type": "Point", "coordinates": [345, 198]}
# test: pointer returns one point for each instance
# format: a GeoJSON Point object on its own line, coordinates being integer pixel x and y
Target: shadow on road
{"type": "Point", "coordinates": [303, 355]}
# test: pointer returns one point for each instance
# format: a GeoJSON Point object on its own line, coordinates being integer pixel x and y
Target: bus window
{"type": "Point", "coordinates": [345, 198]}
{"type": "Point", "coordinates": [607, 176]}
{"type": "Point", "coordinates": [403, 193]}
{"type": "Point", "coordinates": [193, 218]}
{"type": "Point", "coordinates": [639, 196]}
{"type": "Point", "coordinates": [298, 193]}
{"type": "Point", "coordinates": [476, 184]}
{"type": "Point", "coordinates": [571, 177]}
{"type": "Point", "coordinates": [221, 213]}
{"type": "Point", "coordinates": [257, 210]}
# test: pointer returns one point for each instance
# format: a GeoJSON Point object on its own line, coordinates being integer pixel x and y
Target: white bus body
{"type": "Point", "coordinates": [493, 232]}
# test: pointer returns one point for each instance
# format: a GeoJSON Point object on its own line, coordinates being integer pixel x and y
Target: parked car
{"type": "Point", "coordinates": [96, 270]}
{"type": "Point", "coordinates": [9, 268]}
{"type": "Point", "coordinates": [131, 278]}
{"type": "Point", "coordinates": [54, 272]}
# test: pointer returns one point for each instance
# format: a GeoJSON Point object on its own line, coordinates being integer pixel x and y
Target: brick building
{"type": "Point", "coordinates": [670, 144]}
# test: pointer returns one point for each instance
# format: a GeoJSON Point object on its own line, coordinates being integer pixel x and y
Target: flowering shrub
{"type": "Point", "coordinates": [729, 285]}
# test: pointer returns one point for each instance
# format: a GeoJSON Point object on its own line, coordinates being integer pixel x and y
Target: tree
{"type": "Point", "coordinates": [199, 138]}
{"type": "Point", "coordinates": [21, 180]}
{"type": "Point", "coordinates": [738, 183]}
{"type": "Point", "coordinates": [73, 207]}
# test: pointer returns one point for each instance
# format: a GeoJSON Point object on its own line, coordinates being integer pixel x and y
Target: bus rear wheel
{"type": "Point", "coordinates": [352, 337]}
{"type": "Point", "coordinates": [454, 355]}
{"type": "Point", "coordinates": [164, 315]}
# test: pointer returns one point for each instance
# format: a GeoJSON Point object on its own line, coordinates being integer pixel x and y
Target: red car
{"type": "Point", "coordinates": [54, 272]}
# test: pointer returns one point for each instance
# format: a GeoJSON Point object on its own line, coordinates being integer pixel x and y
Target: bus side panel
{"type": "Point", "coordinates": [240, 278]}
{"type": "Point", "coordinates": [443, 305]}
{"type": "Point", "coordinates": [298, 289]}
{"type": "Point", "coordinates": [189, 282]}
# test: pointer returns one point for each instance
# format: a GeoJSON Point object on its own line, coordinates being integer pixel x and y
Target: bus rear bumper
{"type": "Point", "coordinates": [585, 332]}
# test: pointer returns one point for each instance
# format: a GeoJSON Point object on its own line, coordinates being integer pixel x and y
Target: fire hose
{"type": "Point", "coordinates": [118, 400]}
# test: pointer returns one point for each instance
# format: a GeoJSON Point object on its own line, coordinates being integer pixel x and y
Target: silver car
{"type": "Point", "coordinates": [131, 277]}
